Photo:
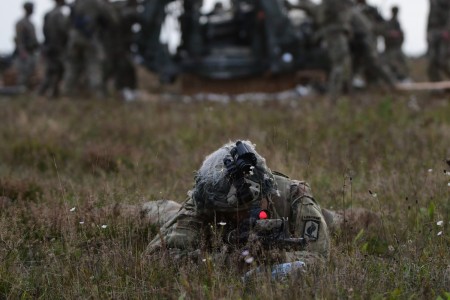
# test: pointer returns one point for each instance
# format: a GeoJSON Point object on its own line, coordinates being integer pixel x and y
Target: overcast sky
{"type": "Point", "coordinates": [413, 15]}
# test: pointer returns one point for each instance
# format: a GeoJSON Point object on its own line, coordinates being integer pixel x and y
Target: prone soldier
{"type": "Point", "coordinates": [235, 188]}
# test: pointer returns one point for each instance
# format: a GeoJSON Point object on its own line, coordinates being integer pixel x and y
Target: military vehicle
{"type": "Point", "coordinates": [253, 40]}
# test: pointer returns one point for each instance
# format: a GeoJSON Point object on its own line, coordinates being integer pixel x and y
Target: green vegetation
{"type": "Point", "coordinates": [63, 162]}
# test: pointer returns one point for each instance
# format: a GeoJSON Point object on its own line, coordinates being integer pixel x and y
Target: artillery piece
{"type": "Point", "coordinates": [253, 46]}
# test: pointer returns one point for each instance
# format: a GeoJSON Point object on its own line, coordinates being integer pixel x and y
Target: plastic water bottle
{"type": "Point", "coordinates": [277, 272]}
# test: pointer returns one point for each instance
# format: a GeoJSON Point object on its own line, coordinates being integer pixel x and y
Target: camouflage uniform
{"type": "Point", "coordinates": [335, 30]}
{"type": "Point", "coordinates": [438, 37]}
{"type": "Point", "coordinates": [26, 47]}
{"type": "Point", "coordinates": [372, 13]}
{"type": "Point", "coordinates": [364, 49]}
{"type": "Point", "coordinates": [187, 229]}
{"type": "Point", "coordinates": [393, 41]}
{"type": "Point", "coordinates": [56, 28]}
{"type": "Point", "coordinates": [85, 52]}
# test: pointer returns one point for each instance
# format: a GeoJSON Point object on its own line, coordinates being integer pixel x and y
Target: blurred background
{"type": "Point", "coordinates": [413, 17]}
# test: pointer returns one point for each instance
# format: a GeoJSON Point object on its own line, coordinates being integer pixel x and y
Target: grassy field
{"type": "Point", "coordinates": [63, 162]}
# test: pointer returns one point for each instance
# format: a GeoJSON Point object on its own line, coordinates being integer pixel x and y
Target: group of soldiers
{"type": "Point", "coordinates": [350, 31]}
{"type": "Point", "coordinates": [87, 45]}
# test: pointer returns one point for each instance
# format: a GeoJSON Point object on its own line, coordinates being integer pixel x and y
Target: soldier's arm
{"type": "Point", "coordinates": [307, 220]}
{"type": "Point", "coordinates": [182, 232]}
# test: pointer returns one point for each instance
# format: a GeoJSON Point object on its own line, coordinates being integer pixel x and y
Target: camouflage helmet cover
{"type": "Point", "coordinates": [212, 185]}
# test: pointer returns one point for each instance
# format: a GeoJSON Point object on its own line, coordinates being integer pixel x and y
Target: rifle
{"type": "Point", "coordinates": [268, 232]}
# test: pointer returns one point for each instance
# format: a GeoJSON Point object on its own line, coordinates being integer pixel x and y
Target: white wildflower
{"type": "Point", "coordinates": [430, 170]}
{"type": "Point", "coordinates": [72, 209]}
{"type": "Point", "coordinates": [81, 222]}
{"type": "Point", "coordinates": [222, 223]}
{"type": "Point", "coordinates": [249, 259]}
{"type": "Point", "coordinates": [245, 253]}
{"type": "Point", "coordinates": [374, 195]}
{"type": "Point", "coordinates": [440, 223]}
{"type": "Point", "coordinates": [204, 260]}
{"type": "Point", "coordinates": [439, 233]}
{"type": "Point", "coordinates": [104, 226]}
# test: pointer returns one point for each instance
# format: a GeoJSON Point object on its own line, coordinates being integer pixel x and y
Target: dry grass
{"type": "Point", "coordinates": [382, 152]}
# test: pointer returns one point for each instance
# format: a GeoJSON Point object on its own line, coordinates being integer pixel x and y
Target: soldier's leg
{"type": "Point", "coordinates": [47, 78]}
{"type": "Point", "coordinates": [74, 68]}
{"type": "Point", "coordinates": [433, 57]}
{"type": "Point", "coordinates": [95, 59]}
{"type": "Point", "coordinates": [21, 66]}
{"type": "Point", "coordinates": [57, 76]}
{"type": "Point", "coordinates": [402, 64]}
{"type": "Point", "coordinates": [339, 54]}
{"type": "Point", "coordinates": [126, 74]}
{"type": "Point", "coordinates": [443, 56]}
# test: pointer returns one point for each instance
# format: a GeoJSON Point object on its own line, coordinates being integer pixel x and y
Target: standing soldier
{"type": "Point", "coordinates": [365, 56]}
{"type": "Point", "coordinates": [335, 30]}
{"type": "Point", "coordinates": [393, 41]}
{"type": "Point", "coordinates": [56, 26]}
{"type": "Point", "coordinates": [85, 52]}
{"type": "Point", "coordinates": [118, 42]}
{"type": "Point", "coordinates": [438, 38]}
{"type": "Point", "coordinates": [26, 47]}
{"type": "Point", "coordinates": [333, 18]}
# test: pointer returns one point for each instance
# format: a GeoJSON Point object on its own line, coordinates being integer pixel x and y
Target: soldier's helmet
{"type": "Point", "coordinates": [394, 10]}
{"type": "Point", "coordinates": [215, 190]}
{"type": "Point", "coordinates": [28, 6]}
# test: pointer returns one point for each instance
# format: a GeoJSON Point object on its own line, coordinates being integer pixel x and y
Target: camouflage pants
{"type": "Point", "coordinates": [339, 54]}
{"type": "Point", "coordinates": [438, 55]}
{"type": "Point", "coordinates": [396, 62]}
{"type": "Point", "coordinates": [84, 62]}
{"type": "Point", "coordinates": [54, 71]}
{"type": "Point", "coordinates": [26, 68]}
{"type": "Point", "coordinates": [367, 61]}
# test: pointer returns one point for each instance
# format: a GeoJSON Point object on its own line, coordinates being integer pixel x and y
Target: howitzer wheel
{"type": "Point", "coordinates": [194, 84]}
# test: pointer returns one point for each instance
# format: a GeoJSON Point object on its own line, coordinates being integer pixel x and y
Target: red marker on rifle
{"type": "Point", "coordinates": [263, 215]}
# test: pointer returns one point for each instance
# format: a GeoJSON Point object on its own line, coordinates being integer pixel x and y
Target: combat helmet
{"type": "Point", "coordinates": [233, 178]}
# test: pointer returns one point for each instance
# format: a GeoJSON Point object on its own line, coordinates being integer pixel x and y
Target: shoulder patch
{"type": "Point", "coordinates": [311, 230]}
